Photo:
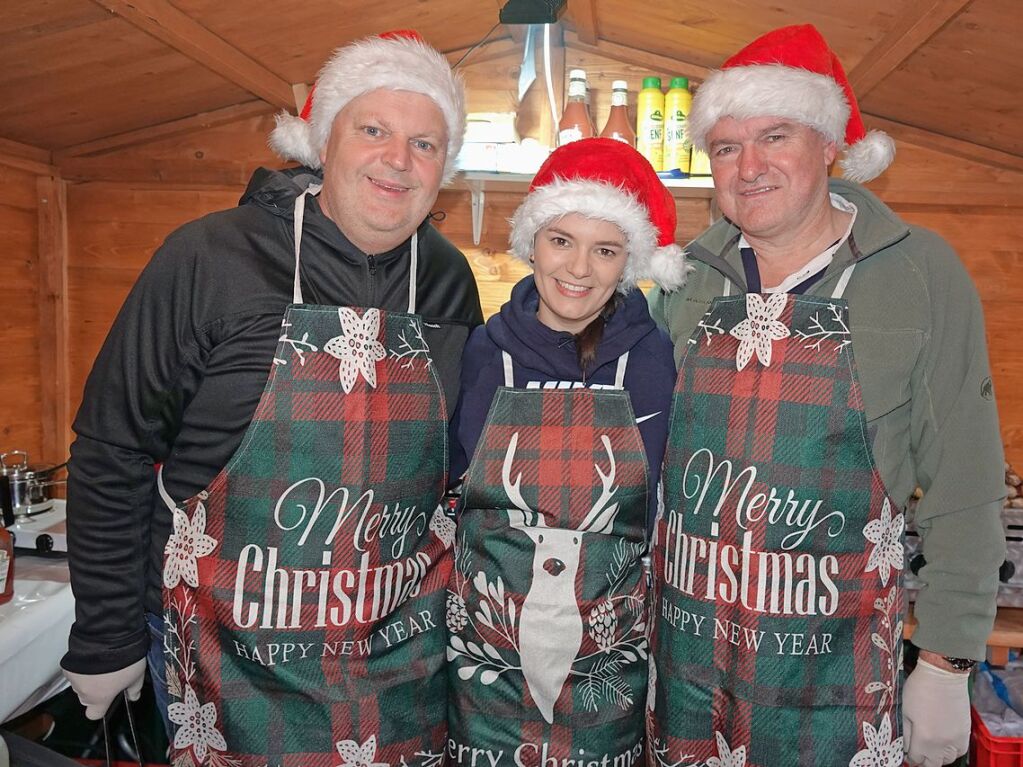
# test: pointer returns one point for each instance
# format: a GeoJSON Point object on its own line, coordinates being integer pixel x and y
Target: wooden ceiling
{"type": "Point", "coordinates": [78, 76]}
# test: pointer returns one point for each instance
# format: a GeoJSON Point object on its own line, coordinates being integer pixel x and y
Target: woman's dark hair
{"type": "Point", "coordinates": [588, 339]}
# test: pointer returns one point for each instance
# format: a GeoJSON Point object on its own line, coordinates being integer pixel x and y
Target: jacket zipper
{"type": "Point", "coordinates": [371, 286]}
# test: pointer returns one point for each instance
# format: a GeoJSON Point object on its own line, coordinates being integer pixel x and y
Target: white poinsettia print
{"type": "Point", "coordinates": [354, 755]}
{"type": "Point", "coordinates": [726, 756]}
{"type": "Point", "coordinates": [885, 533]}
{"type": "Point", "coordinates": [185, 545]}
{"type": "Point", "coordinates": [357, 349]}
{"type": "Point", "coordinates": [761, 328]}
{"type": "Point", "coordinates": [196, 726]}
{"type": "Point", "coordinates": [881, 750]}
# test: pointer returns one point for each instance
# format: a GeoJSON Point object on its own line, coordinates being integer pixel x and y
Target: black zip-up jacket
{"type": "Point", "coordinates": [181, 372]}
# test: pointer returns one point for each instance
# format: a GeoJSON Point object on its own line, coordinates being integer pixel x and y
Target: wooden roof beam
{"type": "Point", "coordinates": [26, 157]}
{"type": "Point", "coordinates": [917, 23]}
{"type": "Point", "coordinates": [653, 61]}
{"type": "Point", "coordinates": [953, 146]}
{"type": "Point", "coordinates": [178, 30]}
{"type": "Point", "coordinates": [200, 121]}
{"type": "Point", "coordinates": [583, 14]}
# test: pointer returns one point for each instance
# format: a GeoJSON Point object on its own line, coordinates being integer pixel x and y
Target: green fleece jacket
{"type": "Point", "coordinates": [921, 355]}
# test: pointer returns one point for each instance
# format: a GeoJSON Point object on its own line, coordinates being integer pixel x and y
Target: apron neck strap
{"type": "Point", "coordinates": [299, 216]}
{"type": "Point", "coordinates": [843, 281]}
{"type": "Point", "coordinates": [163, 491]}
{"type": "Point", "coordinates": [412, 268]}
{"type": "Point", "coordinates": [623, 361]}
{"type": "Point", "coordinates": [509, 380]}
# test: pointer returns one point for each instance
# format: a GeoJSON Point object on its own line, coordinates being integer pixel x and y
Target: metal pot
{"type": "Point", "coordinates": [25, 489]}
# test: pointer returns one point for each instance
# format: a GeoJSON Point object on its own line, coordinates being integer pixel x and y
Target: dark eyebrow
{"type": "Point", "coordinates": [569, 236]}
{"type": "Point", "coordinates": [783, 125]}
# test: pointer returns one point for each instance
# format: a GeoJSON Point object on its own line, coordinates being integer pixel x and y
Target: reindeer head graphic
{"type": "Point", "coordinates": [550, 624]}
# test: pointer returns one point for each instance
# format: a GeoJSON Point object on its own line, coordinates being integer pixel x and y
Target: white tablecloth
{"type": "Point", "coordinates": [34, 629]}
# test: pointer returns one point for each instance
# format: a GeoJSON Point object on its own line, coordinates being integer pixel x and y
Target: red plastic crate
{"type": "Point", "coordinates": [988, 751]}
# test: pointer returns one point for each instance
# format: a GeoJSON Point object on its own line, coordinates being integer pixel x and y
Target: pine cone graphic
{"type": "Point", "coordinates": [603, 623]}
{"type": "Point", "coordinates": [456, 614]}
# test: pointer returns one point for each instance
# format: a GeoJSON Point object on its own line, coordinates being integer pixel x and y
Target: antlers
{"type": "Point", "coordinates": [529, 517]}
{"type": "Point", "coordinates": [599, 519]}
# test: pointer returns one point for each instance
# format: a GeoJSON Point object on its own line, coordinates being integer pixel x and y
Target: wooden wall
{"type": "Point", "coordinates": [20, 410]}
{"type": "Point", "coordinates": [121, 204]}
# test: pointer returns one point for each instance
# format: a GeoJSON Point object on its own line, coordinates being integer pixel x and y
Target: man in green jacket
{"type": "Point", "coordinates": [831, 360]}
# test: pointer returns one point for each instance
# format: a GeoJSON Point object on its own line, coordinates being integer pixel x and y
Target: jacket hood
{"type": "Point", "coordinates": [874, 230]}
{"type": "Point", "coordinates": [532, 344]}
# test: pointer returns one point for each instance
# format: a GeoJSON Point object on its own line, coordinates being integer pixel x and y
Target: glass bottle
{"type": "Point", "coordinates": [618, 126]}
{"type": "Point", "coordinates": [575, 121]}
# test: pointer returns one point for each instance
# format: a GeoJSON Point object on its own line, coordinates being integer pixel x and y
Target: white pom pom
{"type": "Point", "coordinates": [292, 139]}
{"type": "Point", "coordinates": [668, 267]}
{"type": "Point", "coordinates": [868, 157]}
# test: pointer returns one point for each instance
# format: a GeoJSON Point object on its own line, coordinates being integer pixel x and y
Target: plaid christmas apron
{"type": "Point", "coordinates": [776, 614]}
{"type": "Point", "coordinates": [304, 587]}
{"type": "Point", "coordinates": [546, 611]}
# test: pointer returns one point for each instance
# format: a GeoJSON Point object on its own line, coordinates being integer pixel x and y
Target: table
{"type": "Point", "coordinates": [34, 629]}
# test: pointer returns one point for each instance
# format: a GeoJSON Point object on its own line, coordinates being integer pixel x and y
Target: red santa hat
{"type": "Point", "coordinates": [791, 72]}
{"type": "Point", "coordinates": [399, 61]}
{"type": "Point", "coordinates": [607, 180]}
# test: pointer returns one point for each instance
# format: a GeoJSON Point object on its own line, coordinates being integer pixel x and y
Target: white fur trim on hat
{"type": "Point", "coordinates": [606, 202]}
{"type": "Point", "coordinates": [769, 90]}
{"type": "Point", "coordinates": [868, 157]}
{"type": "Point", "coordinates": [400, 64]}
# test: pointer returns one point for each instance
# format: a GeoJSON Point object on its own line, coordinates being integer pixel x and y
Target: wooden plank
{"type": "Point", "coordinates": [166, 23]}
{"type": "Point", "coordinates": [583, 14]}
{"type": "Point", "coordinates": [26, 157]}
{"type": "Point", "coordinates": [637, 57]}
{"type": "Point", "coordinates": [53, 358]}
{"type": "Point", "coordinates": [200, 121]}
{"type": "Point", "coordinates": [915, 25]}
{"type": "Point", "coordinates": [945, 144]}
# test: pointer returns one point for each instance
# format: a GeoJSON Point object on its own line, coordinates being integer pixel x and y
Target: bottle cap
{"type": "Point", "coordinates": [680, 82]}
{"type": "Point", "coordinates": [577, 74]}
{"type": "Point", "coordinates": [619, 85]}
{"type": "Point", "coordinates": [652, 82]}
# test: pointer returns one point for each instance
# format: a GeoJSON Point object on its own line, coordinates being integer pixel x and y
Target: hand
{"type": "Point", "coordinates": [935, 716]}
{"type": "Point", "coordinates": [97, 691]}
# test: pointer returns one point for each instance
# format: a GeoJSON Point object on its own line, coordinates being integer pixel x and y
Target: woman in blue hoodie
{"type": "Point", "coordinates": [559, 433]}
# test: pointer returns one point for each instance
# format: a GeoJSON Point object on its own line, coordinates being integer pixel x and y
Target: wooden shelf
{"type": "Point", "coordinates": [1007, 633]}
{"type": "Point", "coordinates": [480, 182]}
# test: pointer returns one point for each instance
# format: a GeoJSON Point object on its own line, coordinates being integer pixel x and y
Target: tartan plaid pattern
{"type": "Point", "coordinates": [741, 679]}
{"type": "Point", "coordinates": [312, 636]}
{"type": "Point", "coordinates": [547, 643]}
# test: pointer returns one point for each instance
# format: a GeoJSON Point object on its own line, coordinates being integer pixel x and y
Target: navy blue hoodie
{"type": "Point", "coordinates": [542, 356]}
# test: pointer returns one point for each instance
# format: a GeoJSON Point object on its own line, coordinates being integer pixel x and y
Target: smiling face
{"type": "Point", "coordinates": [382, 167]}
{"type": "Point", "coordinates": [770, 174]}
{"type": "Point", "coordinates": [577, 264]}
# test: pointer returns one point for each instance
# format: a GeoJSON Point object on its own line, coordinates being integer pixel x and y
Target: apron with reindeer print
{"type": "Point", "coordinates": [777, 592]}
{"type": "Point", "coordinates": [546, 610]}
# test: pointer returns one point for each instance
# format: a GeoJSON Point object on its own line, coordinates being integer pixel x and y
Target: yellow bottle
{"type": "Point", "coordinates": [650, 122]}
{"type": "Point", "coordinates": [700, 165]}
{"type": "Point", "coordinates": [676, 110]}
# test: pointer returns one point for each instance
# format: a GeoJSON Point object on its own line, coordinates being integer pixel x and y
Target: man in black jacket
{"type": "Point", "coordinates": [181, 373]}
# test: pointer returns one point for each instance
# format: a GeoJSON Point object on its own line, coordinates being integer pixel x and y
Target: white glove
{"type": "Point", "coordinates": [97, 691]}
{"type": "Point", "coordinates": [935, 716]}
